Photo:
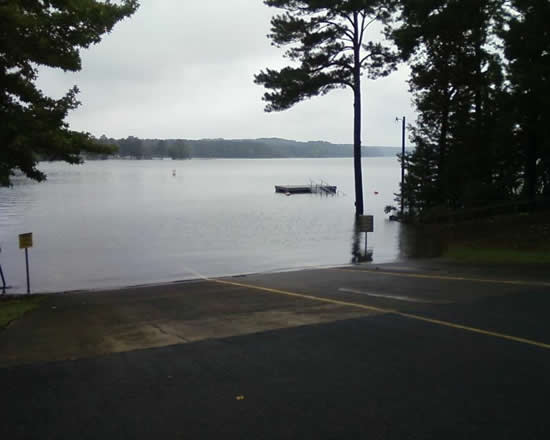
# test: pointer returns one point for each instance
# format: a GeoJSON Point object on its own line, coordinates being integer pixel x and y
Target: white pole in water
{"type": "Point", "coordinates": [403, 129]}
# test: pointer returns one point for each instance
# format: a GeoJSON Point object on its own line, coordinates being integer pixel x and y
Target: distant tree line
{"type": "Point", "coordinates": [481, 82]}
{"type": "Point", "coordinates": [135, 148]}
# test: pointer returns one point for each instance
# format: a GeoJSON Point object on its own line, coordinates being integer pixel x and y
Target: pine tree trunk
{"type": "Point", "coordinates": [443, 171]}
{"type": "Point", "coordinates": [359, 209]}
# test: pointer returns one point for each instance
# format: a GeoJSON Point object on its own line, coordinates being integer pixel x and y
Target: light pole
{"type": "Point", "coordinates": [403, 128]}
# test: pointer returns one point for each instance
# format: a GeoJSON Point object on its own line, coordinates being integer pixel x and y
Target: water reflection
{"type": "Point", "coordinates": [414, 241]}
{"type": "Point", "coordinates": [359, 246]}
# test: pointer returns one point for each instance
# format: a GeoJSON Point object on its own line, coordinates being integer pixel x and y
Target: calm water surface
{"type": "Point", "coordinates": [117, 223]}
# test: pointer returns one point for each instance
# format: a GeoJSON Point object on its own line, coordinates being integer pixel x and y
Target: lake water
{"type": "Point", "coordinates": [114, 223]}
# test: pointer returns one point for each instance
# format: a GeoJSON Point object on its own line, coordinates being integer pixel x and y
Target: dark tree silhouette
{"type": "Point", "coordinates": [45, 33]}
{"type": "Point", "coordinates": [458, 86]}
{"type": "Point", "coordinates": [326, 41]}
{"type": "Point", "coordinates": [526, 36]}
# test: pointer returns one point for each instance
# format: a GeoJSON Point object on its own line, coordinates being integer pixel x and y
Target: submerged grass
{"type": "Point", "coordinates": [13, 308]}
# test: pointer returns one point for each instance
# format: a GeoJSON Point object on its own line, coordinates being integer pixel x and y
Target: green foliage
{"type": "Point", "coordinates": [476, 109]}
{"type": "Point", "coordinates": [12, 309]}
{"type": "Point", "coordinates": [45, 33]}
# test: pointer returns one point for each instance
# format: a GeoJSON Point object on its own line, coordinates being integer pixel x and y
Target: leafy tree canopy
{"type": "Point", "coordinates": [49, 33]}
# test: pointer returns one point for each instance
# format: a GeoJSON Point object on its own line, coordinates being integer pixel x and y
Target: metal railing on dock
{"type": "Point", "coordinates": [312, 188]}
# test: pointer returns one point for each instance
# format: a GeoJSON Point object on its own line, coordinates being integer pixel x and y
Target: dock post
{"type": "Point", "coordinates": [3, 281]}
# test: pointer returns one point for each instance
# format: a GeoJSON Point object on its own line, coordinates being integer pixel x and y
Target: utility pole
{"type": "Point", "coordinates": [403, 128]}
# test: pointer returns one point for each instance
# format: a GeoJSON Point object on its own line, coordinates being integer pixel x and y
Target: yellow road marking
{"type": "Point", "coordinates": [445, 277]}
{"type": "Point", "coordinates": [303, 296]}
{"type": "Point", "coordinates": [382, 310]}
{"type": "Point", "coordinates": [476, 330]}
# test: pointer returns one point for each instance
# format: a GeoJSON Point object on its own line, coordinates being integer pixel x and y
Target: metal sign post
{"type": "Point", "coordinates": [3, 279]}
{"type": "Point", "coordinates": [25, 242]}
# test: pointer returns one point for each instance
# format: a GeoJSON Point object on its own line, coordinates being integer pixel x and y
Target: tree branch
{"type": "Point", "coordinates": [338, 26]}
{"type": "Point", "coordinates": [365, 58]}
{"type": "Point", "coordinates": [348, 18]}
{"type": "Point", "coordinates": [363, 17]}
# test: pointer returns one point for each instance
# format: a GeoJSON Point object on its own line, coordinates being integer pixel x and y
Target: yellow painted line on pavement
{"type": "Point", "coordinates": [303, 296]}
{"type": "Point", "coordinates": [444, 277]}
{"type": "Point", "coordinates": [382, 310]}
{"type": "Point", "coordinates": [476, 330]}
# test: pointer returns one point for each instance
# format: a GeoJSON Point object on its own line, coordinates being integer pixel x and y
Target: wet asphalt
{"type": "Point", "coordinates": [423, 350]}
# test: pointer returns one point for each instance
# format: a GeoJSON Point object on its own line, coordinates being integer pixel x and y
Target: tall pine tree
{"type": "Point", "coordinates": [326, 40]}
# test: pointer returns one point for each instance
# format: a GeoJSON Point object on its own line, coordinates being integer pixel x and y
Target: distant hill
{"type": "Point", "coordinates": [278, 148]}
{"type": "Point", "coordinates": [237, 148]}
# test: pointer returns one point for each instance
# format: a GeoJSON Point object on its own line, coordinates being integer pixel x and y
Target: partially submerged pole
{"type": "Point", "coordinates": [403, 120]}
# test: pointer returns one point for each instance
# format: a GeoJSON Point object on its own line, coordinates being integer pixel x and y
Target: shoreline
{"type": "Point", "coordinates": [77, 324]}
{"type": "Point", "coordinates": [176, 282]}
{"type": "Point", "coordinates": [443, 264]}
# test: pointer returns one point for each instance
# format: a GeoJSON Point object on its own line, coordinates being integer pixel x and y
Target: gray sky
{"type": "Point", "coordinates": [184, 69]}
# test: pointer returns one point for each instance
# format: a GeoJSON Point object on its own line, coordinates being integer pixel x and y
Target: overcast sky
{"type": "Point", "coordinates": [184, 69]}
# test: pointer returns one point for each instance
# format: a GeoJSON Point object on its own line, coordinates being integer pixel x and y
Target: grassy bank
{"type": "Point", "coordinates": [519, 239]}
{"type": "Point", "coordinates": [474, 254]}
{"type": "Point", "coordinates": [13, 308]}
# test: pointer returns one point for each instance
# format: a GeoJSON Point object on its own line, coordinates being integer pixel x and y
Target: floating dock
{"type": "Point", "coordinates": [305, 189]}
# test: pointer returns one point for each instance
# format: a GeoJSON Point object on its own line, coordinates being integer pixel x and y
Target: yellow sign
{"type": "Point", "coordinates": [25, 240]}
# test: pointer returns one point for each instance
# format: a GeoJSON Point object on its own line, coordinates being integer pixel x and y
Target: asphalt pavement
{"type": "Point", "coordinates": [407, 350]}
